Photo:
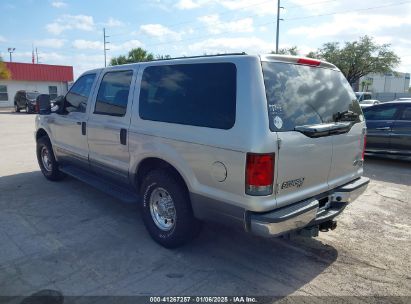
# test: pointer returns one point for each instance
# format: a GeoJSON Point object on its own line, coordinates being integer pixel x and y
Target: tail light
{"type": "Point", "coordinates": [364, 146]}
{"type": "Point", "coordinates": [259, 174]}
{"type": "Point", "coordinates": [308, 61]}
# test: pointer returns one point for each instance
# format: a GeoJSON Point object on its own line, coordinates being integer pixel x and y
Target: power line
{"type": "Point", "coordinates": [303, 17]}
{"type": "Point", "coordinates": [225, 12]}
{"type": "Point", "coordinates": [349, 11]}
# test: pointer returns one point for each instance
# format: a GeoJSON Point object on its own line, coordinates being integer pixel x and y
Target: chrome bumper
{"type": "Point", "coordinates": [306, 213]}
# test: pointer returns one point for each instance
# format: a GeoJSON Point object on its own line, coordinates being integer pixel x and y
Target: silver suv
{"type": "Point", "coordinates": [273, 144]}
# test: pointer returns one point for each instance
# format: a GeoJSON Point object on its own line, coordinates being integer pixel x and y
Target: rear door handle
{"type": "Point", "coordinates": [123, 136]}
{"type": "Point", "coordinates": [383, 128]}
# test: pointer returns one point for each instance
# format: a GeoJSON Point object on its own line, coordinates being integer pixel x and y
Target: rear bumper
{"type": "Point", "coordinates": [306, 213]}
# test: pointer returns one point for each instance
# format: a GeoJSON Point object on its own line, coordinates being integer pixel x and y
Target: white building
{"type": "Point", "coordinates": [47, 79]}
{"type": "Point", "coordinates": [385, 83]}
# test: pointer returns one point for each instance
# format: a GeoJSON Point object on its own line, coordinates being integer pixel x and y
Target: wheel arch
{"type": "Point", "coordinates": [41, 133]}
{"type": "Point", "coordinates": [152, 163]}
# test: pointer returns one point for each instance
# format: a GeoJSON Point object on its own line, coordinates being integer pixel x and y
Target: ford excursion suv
{"type": "Point", "coordinates": [272, 144]}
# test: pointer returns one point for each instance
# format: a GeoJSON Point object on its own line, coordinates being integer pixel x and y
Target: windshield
{"type": "Point", "coordinates": [299, 95]}
{"type": "Point", "coordinates": [32, 95]}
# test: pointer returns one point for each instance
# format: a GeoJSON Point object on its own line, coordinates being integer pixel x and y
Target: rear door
{"type": "Point", "coordinates": [380, 120]}
{"type": "Point", "coordinates": [401, 132]}
{"type": "Point", "coordinates": [307, 107]}
{"type": "Point", "coordinates": [108, 125]}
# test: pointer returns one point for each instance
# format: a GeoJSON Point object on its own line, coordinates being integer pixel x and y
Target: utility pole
{"type": "Point", "coordinates": [37, 56]}
{"type": "Point", "coordinates": [11, 51]}
{"type": "Point", "coordinates": [279, 7]}
{"type": "Point", "coordinates": [105, 48]}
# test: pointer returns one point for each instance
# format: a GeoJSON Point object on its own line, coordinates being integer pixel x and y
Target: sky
{"type": "Point", "coordinates": [70, 32]}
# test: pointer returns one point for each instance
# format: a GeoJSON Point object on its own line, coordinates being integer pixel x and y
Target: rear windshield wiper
{"type": "Point", "coordinates": [345, 116]}
{"type": "Point", "coordinates": [322, 130]}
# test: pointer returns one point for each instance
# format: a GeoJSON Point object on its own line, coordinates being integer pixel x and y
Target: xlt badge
{"type": "Point", "coordinates": [293, 183]}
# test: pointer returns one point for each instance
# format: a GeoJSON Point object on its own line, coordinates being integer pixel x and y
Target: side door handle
{"type": "Point", "coordinates": [83, 128]}
{"type": "Point", "coordinates": [123, 137]}
{"type": "Point", "coordinates": [383, 128]}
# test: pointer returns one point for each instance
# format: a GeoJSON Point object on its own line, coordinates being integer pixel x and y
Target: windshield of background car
{"type": "Point", "coordinates": [32, 95]}
{"type": "Point", "coordinates": [299, 95]}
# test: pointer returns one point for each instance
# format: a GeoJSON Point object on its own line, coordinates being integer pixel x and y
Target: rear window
{"type": "Point", "coordinates": [300, 95]}
{"type": "Point", "coordinates": [32, 95]}
{"type": "Point", "coordinates": [190, 94]}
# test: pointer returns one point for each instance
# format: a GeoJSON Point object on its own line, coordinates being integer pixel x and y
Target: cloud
{"type": "Point", "coordinates": [44, 57]}
{"type": "Point", "coordinates": [191, 4]}
{"type": "Point", "coordinates": [358, 24]}
{"type": "Point", "coordinates": [159, 31]}
{"type": "Point", "coordinates": [257, 7]}
{"type": "Point", "coordinates": [58, 4]}
{"type": "Point", "coordinates": [252, 45]}
{"type": "Point", "coordinates": [215, 25]}
{"type": "Point", "coordinates": [69, 22]}
{"type": "Point", "coordinates": [50, 43]}
{"type": "Point", "coordinates": [112, 22]}
{"type": "Point", "coordinates": [98, 45]}
{"type": "Point", "coordinates": [82, 44]}
{"type": "Point", "coordinates": [2, 39]}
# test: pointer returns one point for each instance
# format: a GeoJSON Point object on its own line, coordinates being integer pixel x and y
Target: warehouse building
{"type": "Point", "coordinates": [42, 78]}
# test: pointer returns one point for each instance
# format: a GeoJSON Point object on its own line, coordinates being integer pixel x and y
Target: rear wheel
{"type": "Point", "coordinates": [16, 108]}
{"type": "Point", "coordinates": [47, 161]}
{"type": "Point", "coordinates": [166, 209]}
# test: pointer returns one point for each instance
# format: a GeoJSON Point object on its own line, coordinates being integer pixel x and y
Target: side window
{"type": "Point", "coordinates": [4, 96]}
{"type": "Point", "coordinates": [190, 94]}
{"type": "Point", "coordinates": [52, 92]}
{"type": "Point", "coordinates": [381, 113]}
{"type": "Point", "coordinates": [406, 114]}
{"type": "Point", "coordinates": [112, 97]}
{"type": "Point", "coordinates": [76, 98]}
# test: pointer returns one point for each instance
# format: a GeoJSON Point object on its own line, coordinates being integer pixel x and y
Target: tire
{"type": "Point", "coordinates": [183, 224]}
{"type": "Point", "coordinates": [48, 164]}
{"type": "Point", "coordinates": [28, 111]}
{"type": "Point", "coordinates": [16, 108]}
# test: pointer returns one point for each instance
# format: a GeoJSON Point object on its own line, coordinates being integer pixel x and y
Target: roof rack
{"type": "Point", "coordinates": [202, 56]}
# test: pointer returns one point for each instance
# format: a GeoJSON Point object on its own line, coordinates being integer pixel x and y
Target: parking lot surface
{"type": "Point", "coordinates": [69, 237]}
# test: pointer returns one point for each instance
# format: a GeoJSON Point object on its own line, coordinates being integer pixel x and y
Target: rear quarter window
{"type": "Point", "coordinates": [300, 95]}
{"type": "Point", "coordinates": [190, 94]}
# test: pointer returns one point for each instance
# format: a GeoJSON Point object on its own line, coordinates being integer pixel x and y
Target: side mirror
{"type": "Point", "coordinates": [43, 104]}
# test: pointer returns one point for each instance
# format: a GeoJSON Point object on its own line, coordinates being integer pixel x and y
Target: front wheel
{"type": "Point", "coordinates": [28, 111]}
{"type": "Point", "coordinates": [166, 209]}
{"type": "Point", "coordinates": [47, 161]}
{"type": "Point", "coordinates": [16, 108]}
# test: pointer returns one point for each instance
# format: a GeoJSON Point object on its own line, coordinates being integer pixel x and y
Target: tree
{"type": "Point", "coordinates": [4, 71]}
{"type": "Point", "coordinates": [163, 57]}
{"type": "Point", "coordinates": [135, 55]}
{"type": "Point", "coordinates": [358, 58]}
{"type": "Point", "coordinates": [293, 51]}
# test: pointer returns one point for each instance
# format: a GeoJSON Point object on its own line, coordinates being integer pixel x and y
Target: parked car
{"type": "Point", "coordinates": [368, 103]}
{"type": "Point", "coordinates": [389, 129]}
{"type": "Point", "coordinates": [254, 141]}
{"type": "Point", "coordinates": [361, 96]}
{"type": "Point", "coordinates": [25, 100]}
